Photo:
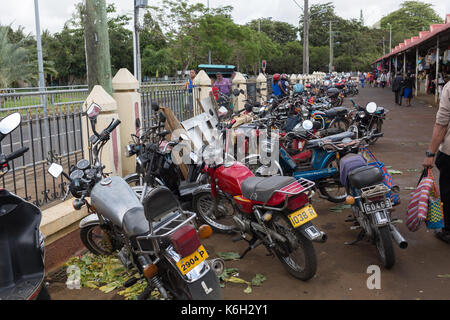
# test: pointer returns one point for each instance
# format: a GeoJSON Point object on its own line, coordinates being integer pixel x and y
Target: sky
{"type": "Point", "coordinates": [53, 13]}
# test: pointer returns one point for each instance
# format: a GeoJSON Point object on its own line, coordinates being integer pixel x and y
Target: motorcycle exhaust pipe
{"type": "Point", "coordinates": [396, 235]}
{"type": "Point", "coordinates": [322, 238]}
{"type": "Point", "coordinates": [218, 266]}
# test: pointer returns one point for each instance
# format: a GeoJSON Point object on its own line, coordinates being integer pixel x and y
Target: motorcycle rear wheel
{"type": "Point", "coordinates": [304, 269]}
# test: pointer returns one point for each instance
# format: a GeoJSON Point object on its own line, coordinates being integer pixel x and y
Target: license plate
{"type": "Point", "coordinates": [379, 205]}
{"type": "Point", "coordinates": [303, 216]}
{"type": "Point", "coordinates": [187, 264]}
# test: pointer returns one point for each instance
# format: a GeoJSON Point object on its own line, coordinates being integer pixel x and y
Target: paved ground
{"type": "Point", "coordinates": [342, 270]}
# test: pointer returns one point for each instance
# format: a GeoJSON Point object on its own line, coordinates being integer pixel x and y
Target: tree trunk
{"type": "Point", "coordinates": [98, 59]}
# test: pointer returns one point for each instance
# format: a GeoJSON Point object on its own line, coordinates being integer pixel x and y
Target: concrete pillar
{"type": "Point", "coordinates": [201, 91]}
{"type": "Point", "coordinates": [125, 88]}
{"type": "Point", "coordinates": [111, 155]}
{"type": "Point", "coordinates": [261, 84]}
{"type": "Point", "coordinates": [299, 78]}
{"type": "Point", "coordinates": [240, 83]}
{"type": "Point", "coordinates": [293, 80]}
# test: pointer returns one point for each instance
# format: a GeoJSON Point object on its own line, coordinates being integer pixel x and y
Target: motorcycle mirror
{"type": "Point", "coordinates": [308, 125]}
{"type": "Point", "coordinates": [93, 111]}
{"type": "Point", "coordinates": [55, 170]}
{"type": "Point", "coordinates": [10, 123]}
{"type": "Point", "coordinates": [242, 91]}
{"type": "Point", "coordinates": [155, 107]}
{"type": "Point", "coordinates": [371, 107]}
{"type": "Point", "coordinates": [236, 92]}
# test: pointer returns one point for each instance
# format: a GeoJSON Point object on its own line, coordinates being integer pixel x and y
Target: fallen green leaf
{"type": "Point", "coordinates": [395, 172]}
{"type": "Point", "coordinates": [447, 276]}
{"type": "Point", "coordinates": [258, 280]}
{"type": "Point", "coordinates": [229, 256]}
{"type": "Point", "coordinates": [248, 290]}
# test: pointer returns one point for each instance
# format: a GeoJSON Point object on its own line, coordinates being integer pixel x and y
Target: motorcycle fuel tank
{"type": "Point", "coordinates": [113, 198]}
{"type": "Point", "coordinates": [229, 178]}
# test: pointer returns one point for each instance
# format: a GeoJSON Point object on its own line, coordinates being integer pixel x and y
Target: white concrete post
{"type": "Point", "coordinates": [293, 80]}
{"type": "Point", "coordinates": [125, 87]}
{"type": "Point", "coordinates": [111, 155]}
{"type": "Point", "coordinates": [201, 91]}
{"type": "Point", "coordinates": [240, 83]}
{"type": "Point", "coordinates": [261, 84]}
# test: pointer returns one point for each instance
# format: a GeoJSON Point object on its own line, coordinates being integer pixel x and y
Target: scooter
{"type": "Point", "coordinates": [22, 247]}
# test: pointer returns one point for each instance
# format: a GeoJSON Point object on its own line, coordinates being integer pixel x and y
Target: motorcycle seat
{"type": "Point", "coordinates": [335, 138]}
{"type": "Point", "coordinates": [339, 111]}
{"type": "Point", "coordinates": [365, 177]}
{"type": "Point", "coordinates": [262, 189]}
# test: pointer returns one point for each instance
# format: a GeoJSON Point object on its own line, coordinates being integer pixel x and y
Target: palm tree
{"type": "Point", "coordinates": [15, 62]}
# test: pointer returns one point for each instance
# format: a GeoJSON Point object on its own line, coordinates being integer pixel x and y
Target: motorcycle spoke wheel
{"type": "Point", "coordinates": [297, 255]}
{"type": "Point", "coordinates": [96, 241]}
{"type": "Point", "coordinates": [385, 247]}
{"type": "Point", "coordinates": [332, 188]}
{"type": "Point", "coordinates": [221, 221]}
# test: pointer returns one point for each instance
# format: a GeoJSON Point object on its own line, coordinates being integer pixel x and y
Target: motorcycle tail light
{"type": "Point", "coordinates": [185, 241]}
{"type": "Point", "coordinates": [297, 202]}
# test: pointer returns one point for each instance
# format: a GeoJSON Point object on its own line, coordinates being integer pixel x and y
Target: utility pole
{"type": "Point", "coordinates": [96, 39]}
{"type": "Point", "coordinates": [41, 75]}
{"type": "Point", "coordinates": [259, 47]}
{"type": "Point", "coordinates": [384, 48]}
{"type": "Point", "coordinates": [209, 52]}
{"type": "Point", "coordinates": [306, 38]}
{"type": "Point", "coordinates": [330, 68]}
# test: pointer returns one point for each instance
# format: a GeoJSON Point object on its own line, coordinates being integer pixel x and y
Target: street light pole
{"type": "Point", "coordinates": [306, 38]}
{"type": "Point", "coordinates": [209, 52]}
{"type": "Point", "coordinates": [330, 68]}
{"type": "Point", "coordinates": [136, 44]}
{"type": "Point", "coordinates": [41, 74]}
{"type": "Point", "coordinates": [259, 47]}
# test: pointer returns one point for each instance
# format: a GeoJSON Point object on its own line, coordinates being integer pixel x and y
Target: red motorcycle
{"type": "Point", "coordinates": [274, 211]}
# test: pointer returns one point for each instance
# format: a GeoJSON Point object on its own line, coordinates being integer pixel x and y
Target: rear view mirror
{"type": "Point", "coordinates": [371, 107]}
{"type": "Point", "coordinates": [55, 170]}
{"type": "Point", "coordinates": [93, 111]}
{"type": "Point", "coordinates": [155, 107]}
{"type": "Point", "coordinates": [9, 123]}
{"type": "Point", "coordinates": [236, 92]}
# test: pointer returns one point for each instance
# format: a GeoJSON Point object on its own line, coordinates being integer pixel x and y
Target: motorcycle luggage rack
{"type": "Point", "coordinates": [374, 191]}
{"type": "Point", "coordinates": [293, 189]}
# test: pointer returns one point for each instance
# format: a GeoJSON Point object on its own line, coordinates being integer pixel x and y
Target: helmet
{"type": "Point", "coordinates": [276, 77]}
{"type": "Point", "coordinates": [284, 76]}
{"type": "Point", "coordinates": [299, 88]}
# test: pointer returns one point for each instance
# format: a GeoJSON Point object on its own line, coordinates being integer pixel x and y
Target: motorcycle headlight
{"type": "Point", "coordinates": [130, 150]}
{"type": "Point", "coordinates": [362, 115]}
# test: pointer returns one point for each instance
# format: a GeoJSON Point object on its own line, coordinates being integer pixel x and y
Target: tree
{"type": "Point", "coordinates": [277, 31]}
{"type": "Point", "coordinates": [15, 62]}
{"type": "Point", "coordinates": [410, 19]}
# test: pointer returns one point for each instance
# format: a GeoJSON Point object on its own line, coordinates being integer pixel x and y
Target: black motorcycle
{"type": "Point", "coordinates": [368, 120]}
{"type": "Point", "coordinates": [21, 242]}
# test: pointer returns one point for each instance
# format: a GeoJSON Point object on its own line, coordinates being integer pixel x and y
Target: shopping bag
{"type": "Point", "coordinates": [387, 177]}
{"type": "Point", "coordinates": [435, 217]}
{"type": "Point", "coordinates": [418, 205]}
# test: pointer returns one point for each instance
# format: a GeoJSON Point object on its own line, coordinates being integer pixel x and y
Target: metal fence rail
{"type": "Point", "coordinates": [28, 176]}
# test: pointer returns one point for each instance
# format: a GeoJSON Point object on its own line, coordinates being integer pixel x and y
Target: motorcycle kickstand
{"type": "Point", "coordinates": [358, 239]}
{"type": "Point", "coordinates": [254, 243]}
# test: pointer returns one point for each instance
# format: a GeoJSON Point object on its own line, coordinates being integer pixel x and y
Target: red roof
{"type": "Point", "coordinates": [435, 29]}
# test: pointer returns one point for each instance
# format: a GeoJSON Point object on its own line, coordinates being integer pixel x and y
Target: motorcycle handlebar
{"type": "Point", "coordinates": [112, 126]}
{"type": "Point", "coordinates": [16, 154]}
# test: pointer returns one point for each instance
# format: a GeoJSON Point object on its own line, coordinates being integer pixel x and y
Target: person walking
{"type": "Point", "coordinates": [397, 86]}
{"type": "Point", "coordinates": [440, 143]}
{"type": "Point", "coordinates": [363, 80]}
{"type": "Point", "coordinates": [189, 85]}
{"type": "Point", "coordinates": [409, 87]}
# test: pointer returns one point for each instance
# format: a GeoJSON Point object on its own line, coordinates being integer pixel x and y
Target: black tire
{"type": "Point", "coordinates": [342, 124]}
{"type": "Point", "coordinates": [87, 235]}
{"type": "Point", "coordinates": [333, 182]}
{"type": "Point", "coordinates": [282, 225]}
{"type": "Point", "coordinates": [203, 204]}
{"type": "Point", "coordinates": [43, 294]}
{"type": "Point", "coordinates": [375, 127]}
{"type": "Point", "coordinates": [385, 247]}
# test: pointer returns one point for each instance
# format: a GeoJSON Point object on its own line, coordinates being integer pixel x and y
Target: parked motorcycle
{"type": "Point", "coordinates": [371, 207]}
{"type": "Point", "coordinates": [156, 236]}
{"type": "Point", "coordinates": [22, 247]}
{"type": "Point", "coordinates": [368, 120]}
{"type": "Point", "coordinates": [275, 212]}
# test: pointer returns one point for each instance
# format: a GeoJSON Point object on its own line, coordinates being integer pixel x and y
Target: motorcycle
{"type": "Point", "coordinates": [22, 248]}
{"type": "Point", "coordinates": [371, 208]}
{"type": "Point", "coordinates": [156, 236]}
{"type": "Point", "coordinates": [368, 120]}
{"type": "Point", "coordinates": [275, 212]}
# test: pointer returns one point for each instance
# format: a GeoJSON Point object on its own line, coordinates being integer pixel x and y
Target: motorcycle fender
{"type": "Point", "coordinates": [90, 220]}
{"type": "Point", "coordinates": [206, 288]}
{"type": "Point", "coordinates": [201, 189]}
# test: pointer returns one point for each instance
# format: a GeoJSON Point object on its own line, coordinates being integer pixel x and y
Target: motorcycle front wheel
{"type": "Point", "coordinates": [96, 240]}
{"type": "Point", "coordinates": [385, 247]}
{"type": "Point", "coordinates": [331, 188]}
{"type": "Point", "coordinates": [297, 254]}
{"type": "Point", "coordinates": [221, 221]}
